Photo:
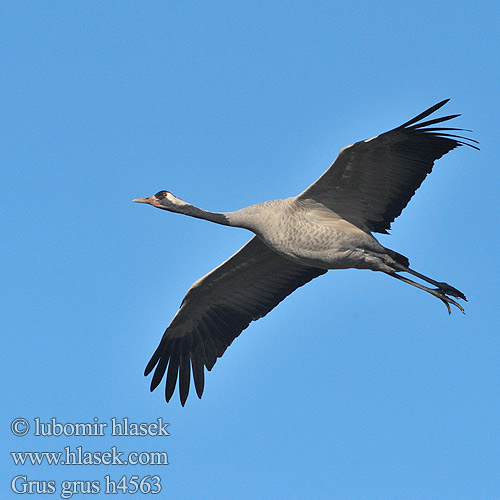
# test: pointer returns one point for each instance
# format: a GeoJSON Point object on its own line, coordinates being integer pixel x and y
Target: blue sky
{"type": "Point", "coordinates": [357, 386]}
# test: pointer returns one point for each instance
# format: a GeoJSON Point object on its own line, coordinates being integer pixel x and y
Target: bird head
{"type": "Point", "coordinates": [163, 199]}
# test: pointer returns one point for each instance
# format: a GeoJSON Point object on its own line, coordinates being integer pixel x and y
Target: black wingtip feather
{"type": "Point", "coordinates": [172, 372]}
{"type": "Point", "coordinates": [460, 143]}
{"type": "Point", "coordinates": [198, 376]}
{"type": "Point", "coordinates": [159, 372]}
{"type": "Point", "coordinates": [184, 376]}
{"type": "Point", "coordinates": [425, 113]}
{"type": "Point", "coordinates": [198, 360]}
{"type": "Point", "coordinates": [153, 361]}
{"type": "Point", "coordinates": [431, 122]}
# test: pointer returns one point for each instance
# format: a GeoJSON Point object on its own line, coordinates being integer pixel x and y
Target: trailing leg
{"type": "Point", "coordinates": [448, 289]}
{"type": "Point", "coordinates": [441, 292]}
{"type": "Point", "coordinates": [444, 287]}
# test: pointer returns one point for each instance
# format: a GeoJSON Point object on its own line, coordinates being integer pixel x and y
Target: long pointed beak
{"type": "Point", "coordinates": [149, 199]}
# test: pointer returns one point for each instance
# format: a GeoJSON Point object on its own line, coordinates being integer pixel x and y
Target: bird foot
{"type": "Point", "coordinates": [442, 291]}
{"type": "Point", "coordinates": [441, 295]}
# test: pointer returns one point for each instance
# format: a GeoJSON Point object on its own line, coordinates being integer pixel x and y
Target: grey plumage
{"type": "Point", "coordinates": [328, 226]}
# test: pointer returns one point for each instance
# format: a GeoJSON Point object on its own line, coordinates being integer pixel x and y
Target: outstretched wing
{"type": "Point", "coordinates": [372, 181]}
{"type": "Point", "coordinates": [218, 307]}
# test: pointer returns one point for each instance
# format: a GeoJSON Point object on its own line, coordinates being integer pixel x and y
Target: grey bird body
{"type": "Point", "coordinates": [327, 226]}
{"type": "Point", "coordinates": [310, 234]}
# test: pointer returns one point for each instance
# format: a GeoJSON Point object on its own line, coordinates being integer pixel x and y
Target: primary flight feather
{"type": "Point", "coordinates": [328, 226]}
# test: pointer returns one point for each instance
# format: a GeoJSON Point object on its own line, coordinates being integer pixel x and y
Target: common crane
{"type": "Point", "coordinates": [297, 239]}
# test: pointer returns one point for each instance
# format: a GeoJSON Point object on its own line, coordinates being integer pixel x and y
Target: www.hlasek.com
{"type": "Point", "coordinates": [78, 455]}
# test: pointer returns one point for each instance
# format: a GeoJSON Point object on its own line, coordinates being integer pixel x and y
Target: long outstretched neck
{"type": "Point", "coordinates": [192, 211]}
{"type": "Point", "coordinates": [246, 218]}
